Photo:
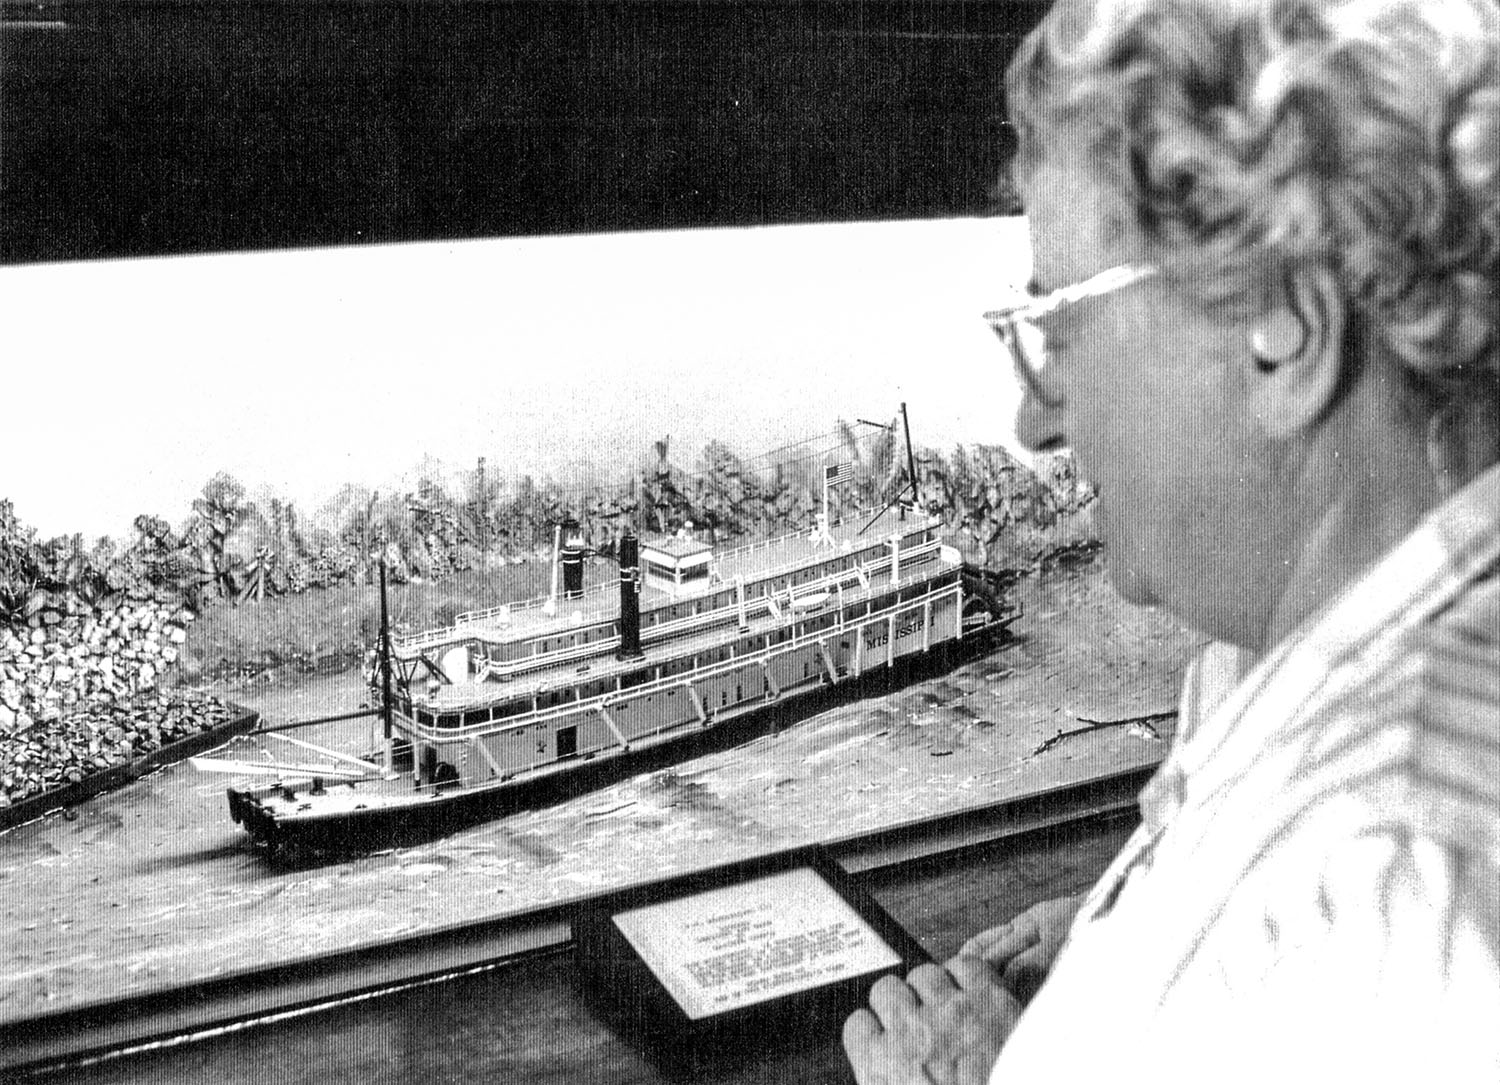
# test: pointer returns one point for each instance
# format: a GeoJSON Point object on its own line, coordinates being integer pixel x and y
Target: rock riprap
{"type": "Point", "coordinates": [68, 749]}
{"type": "Point", "coordinates": [101, 736]}
{"type": "Point", "coordinates": [79, 692]}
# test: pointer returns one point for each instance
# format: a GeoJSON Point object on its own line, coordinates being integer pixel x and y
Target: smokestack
{"type": "Point", "coordinates": [572, 559]}
{"type": "Point", "coordinates": [630, 598]}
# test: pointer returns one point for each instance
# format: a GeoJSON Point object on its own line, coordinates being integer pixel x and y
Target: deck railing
{"type": "Point", "coordinates": [657, 685]}
{"type": "Point", "coordinates": [862, 572]}
{"type": "Point", "coordinates": [475, 617]}
{"type": "Point", "coordinates": [754, 607]}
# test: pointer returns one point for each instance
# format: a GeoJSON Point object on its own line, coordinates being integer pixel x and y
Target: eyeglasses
{"type": "Point", "coordinates": [1018, 328]}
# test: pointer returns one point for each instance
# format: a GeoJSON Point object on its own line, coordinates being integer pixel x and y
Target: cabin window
{"type": "Point", "coordinates": [448, 719]}
{"type": "Point", "coordinates": [723, 697]}
{"type": "Point", "coordinates": [479, 716]}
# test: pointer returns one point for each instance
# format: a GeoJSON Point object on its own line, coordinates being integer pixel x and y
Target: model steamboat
{"type": "Point", "coordinates": [506, 706]}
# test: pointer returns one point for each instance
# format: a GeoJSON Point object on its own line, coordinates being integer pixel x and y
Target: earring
{"type": "Point", "coordinates": [1278, 337]}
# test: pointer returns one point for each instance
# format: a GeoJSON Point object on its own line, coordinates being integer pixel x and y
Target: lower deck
{"type": "Point", "coordinates": [700, 685]}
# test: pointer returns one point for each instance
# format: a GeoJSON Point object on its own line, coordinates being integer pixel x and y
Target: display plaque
{"type": "Point", "coordinates": [719, 964]}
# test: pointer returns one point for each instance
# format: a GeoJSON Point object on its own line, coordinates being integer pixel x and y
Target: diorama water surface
{"type": "Point", "coordinates": [153, 885]}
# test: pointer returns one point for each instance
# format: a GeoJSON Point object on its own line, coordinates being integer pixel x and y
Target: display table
{"type": "Point", "coordinates": [527, 1021]}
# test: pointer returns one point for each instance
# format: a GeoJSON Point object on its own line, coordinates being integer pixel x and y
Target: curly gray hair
{"type": "Point", "coordinates": [1250, 135]}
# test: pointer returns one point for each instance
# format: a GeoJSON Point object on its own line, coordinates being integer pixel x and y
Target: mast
{"type": "Point", "coordinates": [385, 665]}
{"type": "Point", "coordinates": [911, 460]}
{"type": "Point", "coordinates": [911, 471]}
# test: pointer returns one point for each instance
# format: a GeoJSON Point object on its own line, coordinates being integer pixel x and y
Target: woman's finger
{"type": "Point", "coordinates": [979, 945]}
{"type": "Point", "coordinates": [865, 1045]}
{"type": "Point", "coordinates": [861, 1027]}
{"type": "Point", "coordinates": [892, 999]}
{"type": "Point", "coordinates": [971, 973]}
{"type": "Point", "coordinates": [1020, 937]}
{"type": "Point", "coordinates": [932, 982]}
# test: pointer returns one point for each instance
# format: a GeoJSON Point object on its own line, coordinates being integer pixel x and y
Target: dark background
{"type": "Point", "coordinates": [141, 128]}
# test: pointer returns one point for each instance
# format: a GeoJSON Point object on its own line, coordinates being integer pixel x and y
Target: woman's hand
{"type": "Point", "coordinates": [1022, 951]}
{"type": "Point", "coordinates": [942, 1026]}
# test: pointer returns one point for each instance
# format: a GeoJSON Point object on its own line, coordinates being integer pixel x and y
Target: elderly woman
{"type": "Point", "coordinates": [1266, 236]}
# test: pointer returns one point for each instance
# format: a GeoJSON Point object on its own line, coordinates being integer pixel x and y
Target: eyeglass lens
{"type": "Point", "coordinates": [1026, 344]}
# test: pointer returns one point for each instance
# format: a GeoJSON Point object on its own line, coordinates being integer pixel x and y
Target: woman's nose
{"type": "Point", "coordinates": [1039, 423]}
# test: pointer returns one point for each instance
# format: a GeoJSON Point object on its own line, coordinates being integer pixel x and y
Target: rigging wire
{"type": "Point", "coordinates": [865, 447]}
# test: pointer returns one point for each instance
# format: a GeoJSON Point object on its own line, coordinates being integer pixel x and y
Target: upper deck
{"type": "Point", "coordinates": [783, 557]}
{"type": "Point", "coordinates": [605, 669]}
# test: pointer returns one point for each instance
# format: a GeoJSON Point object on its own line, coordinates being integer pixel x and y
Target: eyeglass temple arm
{"type": "Point", "coordinates": [1106, 282]}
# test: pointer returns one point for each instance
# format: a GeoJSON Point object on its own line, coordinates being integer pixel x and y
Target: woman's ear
{"type": "Point", "coordinates": [1297, 345]}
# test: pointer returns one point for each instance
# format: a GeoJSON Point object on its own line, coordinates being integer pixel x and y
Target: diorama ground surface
{"type": "Point", "coordinates": [154, 885]}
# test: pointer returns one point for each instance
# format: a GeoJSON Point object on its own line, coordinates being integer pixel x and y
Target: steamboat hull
{"type": "Point", "coordinates": [414, 819]}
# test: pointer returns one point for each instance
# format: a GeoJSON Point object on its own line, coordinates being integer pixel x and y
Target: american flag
{"type": "Point", "coordinates": [836, 473]}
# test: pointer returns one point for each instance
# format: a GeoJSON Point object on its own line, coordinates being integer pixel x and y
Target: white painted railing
{"type": "Point", "coordinates": [472, 617]}
{"type": "Point", "coordinates": [754, 607]}
{"type": "Point", "coordinates": [657, 685]}
{"type": "Point", "coordinates": [428, 638]}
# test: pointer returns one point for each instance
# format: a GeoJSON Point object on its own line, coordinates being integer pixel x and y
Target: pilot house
{"type": "Point", "coordinates": [673, 563]}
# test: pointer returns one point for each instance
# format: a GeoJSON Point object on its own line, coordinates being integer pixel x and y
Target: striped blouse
{"type": "Point", "coordinates": [1314, 890]}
